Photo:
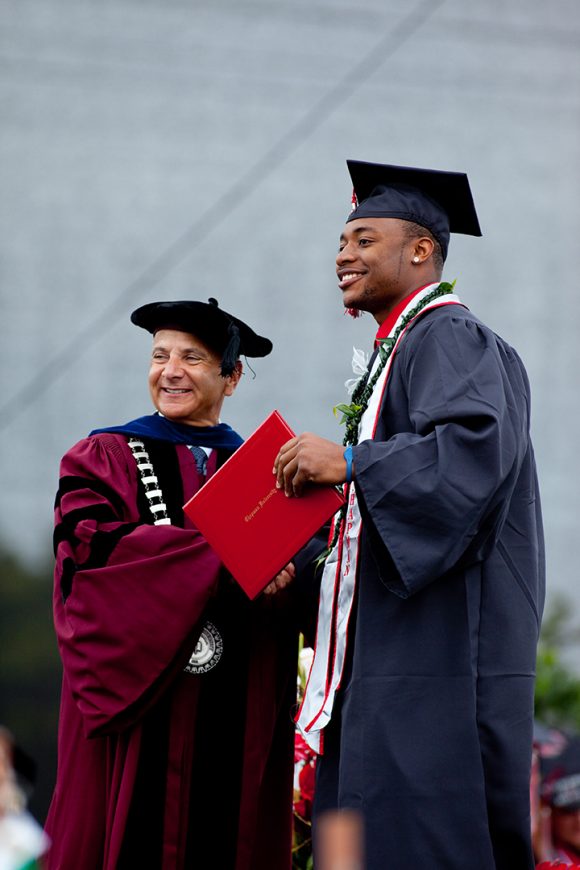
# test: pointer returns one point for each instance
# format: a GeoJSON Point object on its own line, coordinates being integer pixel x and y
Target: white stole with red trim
{"type": "Point", "coordinates": [338, 584]}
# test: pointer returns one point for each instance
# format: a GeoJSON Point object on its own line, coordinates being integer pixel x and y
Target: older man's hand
{"type": "Point", "coordinates": [309, 459]}
{"type": "Point", "coordinates": [281, 580]}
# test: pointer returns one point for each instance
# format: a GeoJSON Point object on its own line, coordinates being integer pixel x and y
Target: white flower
{"type": "Point", "coordinates": [360, 361]}
{"type": "Point", "coordinates": [305, 659]}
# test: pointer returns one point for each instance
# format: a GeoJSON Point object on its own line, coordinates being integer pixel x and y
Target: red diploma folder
{"type": "Point", "coordinates": [253, 527]}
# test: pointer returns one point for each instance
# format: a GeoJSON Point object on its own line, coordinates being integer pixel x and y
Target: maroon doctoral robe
{"type": "Point", "coordinates": [157, 767]}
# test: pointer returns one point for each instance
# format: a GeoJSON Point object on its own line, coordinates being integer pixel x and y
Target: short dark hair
{"type": "Point", "coordinates": [416, 231]}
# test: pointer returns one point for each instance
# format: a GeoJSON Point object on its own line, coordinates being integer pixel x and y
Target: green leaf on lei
{"type": "Point", "coordinates": [347, 411]}
{"type": "Point", "coordinates": [385, 347]}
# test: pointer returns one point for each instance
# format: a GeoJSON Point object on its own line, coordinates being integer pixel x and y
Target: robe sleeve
{"type": "Point", "coordinates": [433, 495]}
{"type": "Point", "coordinates": [128, 595]}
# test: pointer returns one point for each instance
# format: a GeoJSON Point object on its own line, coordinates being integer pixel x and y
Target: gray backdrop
{"type": "Point", "coordinates": [158, 149]}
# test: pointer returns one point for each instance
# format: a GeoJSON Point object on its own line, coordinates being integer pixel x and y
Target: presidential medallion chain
{"type": "Point", "coordinates": [209, 647]}
{"type": "Point", "coordinates": [150, 483]}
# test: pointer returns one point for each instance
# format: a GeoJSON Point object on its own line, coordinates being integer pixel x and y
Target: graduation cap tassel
{"type": "Point", "coordinates": [232, 351]}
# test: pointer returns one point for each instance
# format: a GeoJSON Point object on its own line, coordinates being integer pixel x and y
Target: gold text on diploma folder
{"type": "Point", "coordinates": [251, 514]}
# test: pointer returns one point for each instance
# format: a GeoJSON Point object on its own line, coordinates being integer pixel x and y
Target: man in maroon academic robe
{"type": "Point", "coordinates": [175, 740]}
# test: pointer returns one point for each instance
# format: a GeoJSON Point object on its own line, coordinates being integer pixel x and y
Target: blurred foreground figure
{"type": "Point", "coordinates": [175, 738]}
{"type": "Point", "coordinates": [560, 793]}
{"type": "Point", "coordinates": [22, 840]}
{"type": "Point", "coordinates": [420, 697]}
{"type": "Point", "coordinates": [340, 841]}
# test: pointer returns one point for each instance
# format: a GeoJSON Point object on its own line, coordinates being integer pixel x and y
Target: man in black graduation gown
{"type": "Point", "coordinates": [420, 699]}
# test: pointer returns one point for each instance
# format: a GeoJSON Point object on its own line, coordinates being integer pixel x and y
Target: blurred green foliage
{"type": "Point", "coordinates": [557, 699]}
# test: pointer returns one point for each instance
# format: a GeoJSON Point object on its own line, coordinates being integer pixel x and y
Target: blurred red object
{"type": "Point", "coordinates": [305, 776]}
{"type": "Point", "coordinates": [556, 865]}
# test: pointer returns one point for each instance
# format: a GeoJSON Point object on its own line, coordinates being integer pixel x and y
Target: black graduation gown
{"type": "Point", "coordinates": [431, 733]}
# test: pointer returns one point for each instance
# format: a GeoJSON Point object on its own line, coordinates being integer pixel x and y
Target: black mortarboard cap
{"type": "Point", "coordinates": [223, 333]}
{"type": "Point", "coordinates": [440, 201]}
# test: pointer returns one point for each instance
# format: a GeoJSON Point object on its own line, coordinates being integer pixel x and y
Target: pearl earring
{"type": "Point", "coordinates": [415, 259]}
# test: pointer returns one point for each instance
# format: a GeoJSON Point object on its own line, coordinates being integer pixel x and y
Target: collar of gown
{"type": "Point", "coordinates": [161, 429]}
{"type": "Point", "coordinates": [391, 318]}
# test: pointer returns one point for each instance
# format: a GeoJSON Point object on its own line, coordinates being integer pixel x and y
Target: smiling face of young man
{"type": "Point", "coordinates": [185, 380]}
{"type": "Point", "coordinates": [376, 265]}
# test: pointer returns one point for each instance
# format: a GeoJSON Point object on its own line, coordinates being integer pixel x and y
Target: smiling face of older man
{"type": "Point", "coordinates": [185, 380]}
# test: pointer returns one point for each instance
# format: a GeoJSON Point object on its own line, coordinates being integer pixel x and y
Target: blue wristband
{"type": "Point", "coordinates": [348, 456]}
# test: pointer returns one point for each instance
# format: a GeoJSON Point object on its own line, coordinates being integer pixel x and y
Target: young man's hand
{"type": "Point", "coordinates": [309, 459]}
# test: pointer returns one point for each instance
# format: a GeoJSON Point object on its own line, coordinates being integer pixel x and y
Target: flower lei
{"type": "Point", "coordinates": [352, 414]}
